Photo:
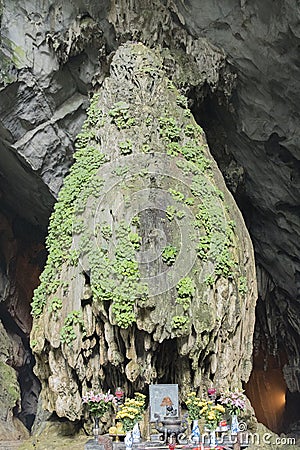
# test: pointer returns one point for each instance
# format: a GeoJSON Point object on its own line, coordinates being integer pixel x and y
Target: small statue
{"type": "Point", "coordinates": [170, 411]}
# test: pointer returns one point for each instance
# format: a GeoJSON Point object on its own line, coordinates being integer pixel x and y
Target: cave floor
{"type": "Point", "coordinates": [8, 445]}
{"type": "Point", "coordinates": [57, 443]}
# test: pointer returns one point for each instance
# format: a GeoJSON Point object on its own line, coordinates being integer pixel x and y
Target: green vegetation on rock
{"type": "Point", "coordinates": [120, 115]}
{"type": "Point", "coordinates": [68, 333]}
{"type": "Point", "coordinates": [242, 286]}
{"type": "Point", "coordinates": [9, 384]}
{"type": "Point", "coordinates": [169, 254]}
{"type": "Point", "coordinates": [114, 271]}
{"type": "Point", "coordinates": [81, 182]}
{"type": "Point", "coordinates": [55, 304]}
{"type": "Point", "coordinates": [185, 290]}
{"type": "Point", "coordinates": [125, 147]}
{"type": "Point", "coordinates": [169, 129]}
{"type": "Point", "coordinates": [180, 323]}
{"type": "Point", "coordinates": [118, 279]}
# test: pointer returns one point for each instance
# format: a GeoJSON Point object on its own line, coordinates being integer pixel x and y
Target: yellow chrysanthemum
{"type": "Point", "coordinates": [138, 394]}
{"type": "Point", "coordinates": [220, 408]}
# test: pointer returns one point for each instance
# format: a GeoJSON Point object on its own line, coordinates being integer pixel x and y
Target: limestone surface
{"type": "Point", "coordinates": [150, 275]}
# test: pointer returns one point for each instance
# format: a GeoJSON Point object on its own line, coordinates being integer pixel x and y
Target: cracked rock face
{"type": "Point", "coordinates": [244, 72]}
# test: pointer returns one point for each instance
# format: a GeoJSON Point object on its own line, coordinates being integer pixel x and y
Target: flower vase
{"type": "Point", "coordinates": [195, 435]}
{"type": "Point", "coordinates": [234, 424]}
{"type": "Point", "coordinates": [136, 434]}
{"type": "Point", "coordinates": [96, 428]}
{"type": "Point", "coordinates": [212, 439]}
{"type": "Point", "coordinates": [128, 440]}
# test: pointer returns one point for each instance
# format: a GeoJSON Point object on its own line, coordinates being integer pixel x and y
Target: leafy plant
{"type": "Point", "coordinates": [177, 195]}
{"type": "Point", "coordinates": [180, 323]}
{"type": "Point", "coordinates": [169, 254]}
{"type": "Point", "coordinates": [55, 305]}
{"type": "Point", "coordinates": [33, 343]}
{"type": "Point", "coordinates": [180, 214]}
{"type": "Point", "coordinates": [170, 212]}
{"type": "Point", "coordinates": [73, 257]}
{"type": "Point", "coordinates": [67, 334]}
{"type": "Point", "coordinates": [194, 405]}
{"type": "Point", "coordinates": [173, 148]}
{"type": "Point", "coordinates": [190, 201]}
{"type": "Point", "coordinates": [211, 413]}
{"type": "Point", "coordinates": [146, 148]}
{"type": "Point", "coordinates": [242, 286]}
{"type": "Point", "coordinates": [106, 231]}
{"type": "Point", "coordinates": [120, 115]}
{"type": "Point", "coordinates": [170, 85]}
{"type": "Point", "coordinates": [125, 147]}
{"type": "Point", "coordinates": [186, 287]}
{"type": "Point", "coordinates": [233, 401]}
{"type": "Point", "coordinates": [203, 247]}
{"type": "Point", "coordinates": [181, 100]}
{"type": "Point", "coordinates": [135, 221]}
{"type": "Point", "coordinates": [210, 280]}
{"type": "Point", "coordinates": [189, 130]}
{"type": "Point", "coordinates": [135, 239]}
{"type": "Point", "coordinates": [225, 263]}
{"type": "Point", "coordinates": [169, 129]}
{"type": "Point", "coordinates": [219, 193]}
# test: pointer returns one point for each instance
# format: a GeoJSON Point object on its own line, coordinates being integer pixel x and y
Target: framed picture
{"type": "Point", "coordinates": [163, 400]}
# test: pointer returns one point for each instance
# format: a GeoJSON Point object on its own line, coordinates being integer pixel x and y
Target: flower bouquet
{"type": "Point", "coordinates": [194, 406]}
{"type": "Point", "coordinates": [212, 414]}
{"type": "Point", "coordinates": [131, 412]}
{"type": "Point", "coordinates": [99, 403]}
{"type": "Point", "coordinates": [234, 402]}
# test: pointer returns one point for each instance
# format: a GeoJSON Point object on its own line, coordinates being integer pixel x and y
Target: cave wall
{"type": "Point", "coordinates": [22, 259]}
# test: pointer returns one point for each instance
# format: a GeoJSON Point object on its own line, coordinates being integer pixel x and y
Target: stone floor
{"type": "Point", "coordinates": [52, 443]}
{"type": "Point", "coordinates": [9, 445]}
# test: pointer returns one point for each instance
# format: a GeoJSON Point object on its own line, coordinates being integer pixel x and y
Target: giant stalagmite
{"type": "Point", "coordinates": [150, 275]}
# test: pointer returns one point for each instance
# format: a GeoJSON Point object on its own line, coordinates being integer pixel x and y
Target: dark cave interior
{"type": "Point", "coordinates": [275, 406]}
{"type": "Point", "coordinates": [22, 259]}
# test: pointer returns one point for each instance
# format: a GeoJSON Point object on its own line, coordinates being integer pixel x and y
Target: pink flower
{"type": "Point", "coordinates": [98, 403]}
{"type": "Point", "coordinates": [211, 391]}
